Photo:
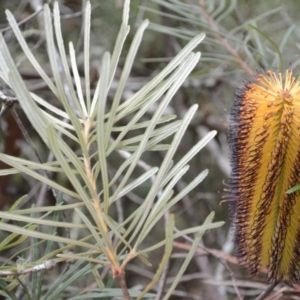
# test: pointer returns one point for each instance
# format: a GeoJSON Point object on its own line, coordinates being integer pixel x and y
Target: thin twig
{"type": "Point", "coordinates": [120, 276]}
{"type": "Point", "coordinates": [215, 151]}
{"type": "Point", "coordinates": [230, 272]}
{"type": "Point", "coordinates": [230, 258]}
{"type": "Point", "coordinates": [47, 265]}
{"type": "Point", "coordinates": [267, 292]}
{"type": "Point", "coordinates": [205, 266]}
{"type": "Point", "coordinates": [220, 256]}
{"type": "Point", "coordinates": [215, 28]}
{"type": "Point", "coordinates": [162, 281]}
{"type": "Point", "coordinates": [23, 21]}
{"type": "Point", "coordinates": [25, 134]}
{"type": "Point", "coordinates": [227, 247]}
{"type": "Point", "coordinates": [31, 144]}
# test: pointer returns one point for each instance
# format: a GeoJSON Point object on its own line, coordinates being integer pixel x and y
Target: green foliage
{"type": "Point", "coordinates": [240, 35]}
{"type": "Point", "coordinates": [243, 38]}
{"type": "Point", "coordinates": [84, 134]}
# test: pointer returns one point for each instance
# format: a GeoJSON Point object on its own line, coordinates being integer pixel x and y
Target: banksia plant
{"type": "Point", "coordinates": [263, 131]}
{"type": "Point", "coordinates": [264, 137]}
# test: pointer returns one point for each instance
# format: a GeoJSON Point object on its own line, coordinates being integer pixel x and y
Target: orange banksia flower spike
{"type": "Point", "coordinates": [264, 139]}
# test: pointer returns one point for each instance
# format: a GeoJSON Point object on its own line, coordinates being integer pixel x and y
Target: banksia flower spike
{"type": "Point", "coordinates": [264, 138]}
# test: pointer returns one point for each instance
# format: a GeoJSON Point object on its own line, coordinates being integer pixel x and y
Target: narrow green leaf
{"type": "Point", "coordinates": [164, 261]}
{"type": "Point", "coordinates": [12, 161]}
{"type": "Point", "coordinates": [28, 52]}
{"type": "Point", "coordinates": [124, 77]}
{"type": "Point", "coordinates": [188, 258]}
{"type": "Point", "coordinates": [98, 278]}
{"type": "Point", "coordinates": [100, 133]}
{"type": "Point", "coordinates": [14, 216]}
{"type": "Point", "coordinates": [293, 189]}
{"type": "Point", "coordinates": [69, 172]}
{"type": "Point", "coordinates": [276, 48]}
{"type": "Point", "coordinates": [86, 45]}
{"type": "Point", "coordinates": [94, 232]}
{"type": "Point", "coordinates": [72, 101]}
{"type": "Point", "coordinates": [45, 236]}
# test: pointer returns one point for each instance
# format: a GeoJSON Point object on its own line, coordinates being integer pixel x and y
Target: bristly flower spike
{"type": "Point", "coordinates": [264, 139]}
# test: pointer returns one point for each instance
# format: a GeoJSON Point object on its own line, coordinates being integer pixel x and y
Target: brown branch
{"type": "Point", "coordinates": [221, 257]}
{"type": "Point", "coordinates": [119, 274]}
{"type": "Point", "coordinates": [267, 291]}
{"type": "Point", "coordinates": [230, 258]}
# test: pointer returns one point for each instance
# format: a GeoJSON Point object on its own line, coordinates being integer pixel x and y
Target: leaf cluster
{"type": "Point", "coordinates": [83, 134]}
